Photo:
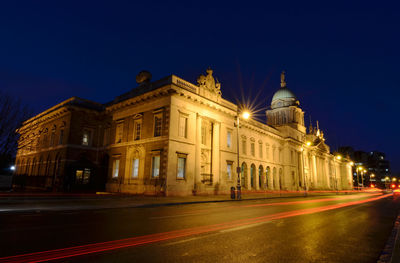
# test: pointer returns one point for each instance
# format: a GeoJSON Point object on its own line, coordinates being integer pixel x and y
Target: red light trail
{"type": "Point", "coordinates": [153, 238]}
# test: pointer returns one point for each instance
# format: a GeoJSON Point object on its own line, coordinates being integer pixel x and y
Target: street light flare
{"type": "Point", "coordinates": [246, 115]}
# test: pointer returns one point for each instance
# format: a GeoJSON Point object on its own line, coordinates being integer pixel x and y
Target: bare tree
{"type": "Point", "coordinates": [12, 113]}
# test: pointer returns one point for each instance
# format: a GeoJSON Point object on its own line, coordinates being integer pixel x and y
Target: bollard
{"type": "Point", "coordinates": [233, 196]}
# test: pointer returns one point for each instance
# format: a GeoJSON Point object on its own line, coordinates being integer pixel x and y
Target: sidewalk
{"type": "Point", "coordinates": [41, 202]}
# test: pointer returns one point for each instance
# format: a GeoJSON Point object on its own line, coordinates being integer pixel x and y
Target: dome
{"type": "Point", "coordinates": [283, 97]}
{"type": "Point", "coordinates": [283, 93]}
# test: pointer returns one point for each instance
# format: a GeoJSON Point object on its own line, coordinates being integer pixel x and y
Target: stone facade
{"type": "Point", "coordinates": [172, 137]}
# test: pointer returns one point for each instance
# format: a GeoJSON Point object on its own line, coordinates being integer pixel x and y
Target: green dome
{"type": "Point", "coordinates": [283, 93]}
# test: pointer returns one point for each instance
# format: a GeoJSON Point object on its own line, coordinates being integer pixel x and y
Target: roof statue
{"type": "Point", "coordinates": [208, 82]}
{"type": "Point", "coordinates": [283, 82]}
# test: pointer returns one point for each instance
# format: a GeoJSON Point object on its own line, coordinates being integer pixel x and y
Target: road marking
{"type": "Point", "coordinates": [158, 237]}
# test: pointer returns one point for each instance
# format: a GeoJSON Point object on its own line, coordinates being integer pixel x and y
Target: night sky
{"type": "Point", "coordinates": [342, 61]}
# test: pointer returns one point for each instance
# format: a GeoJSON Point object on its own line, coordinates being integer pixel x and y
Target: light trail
{"type": "Point", "coordinates": [153, 238]}
{"type": "Point", "coordinates": [203, 211]}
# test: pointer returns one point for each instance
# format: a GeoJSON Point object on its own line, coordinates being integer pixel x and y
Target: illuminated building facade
{"type": "Point", "coordinates": [172, 137]}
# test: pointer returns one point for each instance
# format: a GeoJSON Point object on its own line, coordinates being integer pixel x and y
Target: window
{"type": "Point", "coordinates": [82, 176]}
{"type": "Point", "coordinates": [181, 167]}
{"type": "Point", "coordinates": [182, 126]}
{"type": "Point", "coordinates": [229, 170]}
{"type": "Point", "coordinates": [86, 137]}
{"type": "Point", "coordinates": [267, 152]}
{"type": "Point", "coordinates": [157, 125]}
{"type": "Point", "coordinates": [273, 154]}
{"type": "Point", "coordinates": [229, 139]}
{"type": "Point", "coordinates": [115, 170]}
{"type": "Point", "coordinates": [252, 149]}
{"type": "Point", "coordinates": [135, 168]}
{"type": "Point", "coordinates": [106, 139]}
{"type": "Point", "coordinates": [119, 132]}
{"type": "Point", "coordinates": [61, 138]}
{"type": "Point", "coordinates": [260, 150]}
{"type": "Point", "coordinates": [52, 136]}
{"type": "Point", "coordinates": [137, 129]}
{"type": "Point", "coordinates": [155, 166]}
{"type": "Point", "coordinates": [203, 134]}
{"type": "Point", "coordinates": [244, 146]}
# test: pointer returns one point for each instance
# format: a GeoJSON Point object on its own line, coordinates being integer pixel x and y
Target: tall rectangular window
{"type": "Point", "coordinates": [267, 152]}
{"type": "Point", "coordinates": [203, 134]}
{"type": "Point", "coordinates": [52, 136]}
{"type": "Point", "coordinates": [61, 138]}
{"type": "Point", "coordinates": [155, 166]}
{"type": "Point", "coordinates": [182, 126]}
{"type": "Point", "coordinates": [244, 146]}
{"type": "Point", "coordinates": [119, 132]}
{"type": "Point", "coordinates": [137, 129]}
{"type": "Point", "coordinates": [106, 139]}
{"type": "Point", "coordinates": [181, 167]}
{"type": "Point", "coordinates": [86, 137]}
{"type": "Point", "coordinates": [135, 168]}
{"type": "Point", "coordinates": [260, 150]}
{"type": "Point", "coordinates": [252, 149]}
{"type": "Point", "coordinates": [157, 125]}
{"type": "Point", "coordinates": [229, 139]}
{"type": "Point", "coordinates": [229, 170]}
{"type": "Point", "coordinates": [115, 170]}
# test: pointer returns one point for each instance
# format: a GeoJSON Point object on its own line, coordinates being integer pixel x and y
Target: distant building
{"type": "Point", "coordinates": [172, 137]}
{"type": "Point", "coordinates": [376, 165]}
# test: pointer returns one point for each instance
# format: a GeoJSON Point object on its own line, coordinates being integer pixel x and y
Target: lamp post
{"type": "Point", "coordinates": [362, 178]}
{"type": "Point", "coordinates": [245, 115]}
{"type": "Point", "coordinates": [359, 168]}
{"type": "Point", "coordinates": [304, 174]}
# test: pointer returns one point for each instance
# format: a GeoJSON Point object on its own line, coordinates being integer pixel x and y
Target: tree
{"type": "Point", "coordinates": [12, 113]}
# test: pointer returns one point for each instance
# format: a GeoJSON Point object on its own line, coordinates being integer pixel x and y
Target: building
{"type": "Point", "coordinates": [172, 137]}
{"type": "Point", "coordinates": [374, 163]}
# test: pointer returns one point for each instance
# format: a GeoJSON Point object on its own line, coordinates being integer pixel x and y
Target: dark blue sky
{"type": "Point", "coordinates": [342, 61]}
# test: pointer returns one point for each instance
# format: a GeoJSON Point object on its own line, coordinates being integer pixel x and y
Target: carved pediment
{"type": "Point", "coordinates": [210, 87]}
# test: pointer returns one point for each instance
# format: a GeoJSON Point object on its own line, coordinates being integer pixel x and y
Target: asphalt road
{"type": "Point", "coordinates": [345, 228]}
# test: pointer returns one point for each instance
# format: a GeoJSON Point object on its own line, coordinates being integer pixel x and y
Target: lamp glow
{"type": "Point", "coordinates": [246, 115]}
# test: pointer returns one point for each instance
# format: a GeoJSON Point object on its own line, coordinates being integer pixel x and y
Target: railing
{"type": "Point", "coordinates": [207, 179]}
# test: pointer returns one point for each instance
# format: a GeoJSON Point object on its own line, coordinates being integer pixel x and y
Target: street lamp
{"type": "Point", "coordinates": [245, 115]}
{"type": "Point", "coordinates": [359, 168]}
{"type": "Point", "coordinates": [304, 173]}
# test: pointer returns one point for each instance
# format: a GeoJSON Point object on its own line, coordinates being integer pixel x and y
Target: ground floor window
{"type": "Point", "coordinates": [155, 166]}
{"type": "Point", "coordinates": [115, 169]}
{"type": "Point", "coordinates": [82, 176]}
{"type": "Point", "coordinates": [181, 167]}
{"type": "Point", "coordinates": [229, 170]}
{"type": "Point", "coordinates": [135, 168]}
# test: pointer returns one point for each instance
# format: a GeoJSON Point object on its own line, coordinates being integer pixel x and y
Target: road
{"type": "Point", "coordinates": [335, 228]}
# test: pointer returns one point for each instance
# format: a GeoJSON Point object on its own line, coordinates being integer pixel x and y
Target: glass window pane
{"type": "Point", "coordinates": [115, 168]}
{"type": "Point", "coordinates": [135, 168]}
{"type": "Point", "coordinates": [156, 166]}
{"type": "Point", "coordinates": [181, 167]}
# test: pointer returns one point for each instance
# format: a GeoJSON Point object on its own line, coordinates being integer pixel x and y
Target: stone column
{"type": "Point", "coordinates": [216, 164]}
{"type": "Point", "coordinates": [314, 171]}
{"type": "Point", "coordinates": [197, 170]}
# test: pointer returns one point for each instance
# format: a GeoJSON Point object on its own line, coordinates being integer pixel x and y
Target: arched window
{"type": "Point", "coordinates": [260, 177]}
{"type": "Point", "coordinates": [268, 178]}
{"type": "Point", "coordinates": [252, 175]}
